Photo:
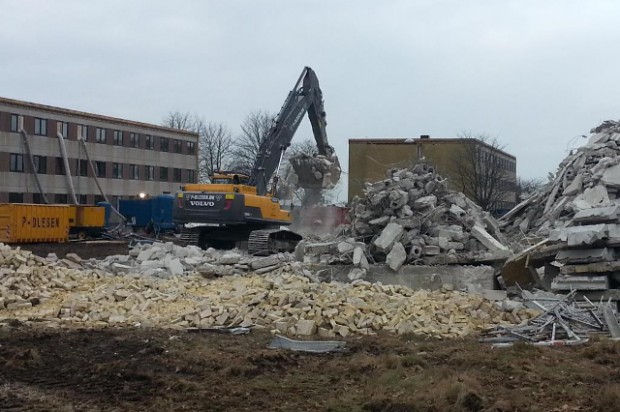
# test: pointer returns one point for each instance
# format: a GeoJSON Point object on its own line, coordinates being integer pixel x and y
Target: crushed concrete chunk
{"type": "Point", "coordinates": [396, 257]}
{"type": "Point", "coordinates": [389, 235]}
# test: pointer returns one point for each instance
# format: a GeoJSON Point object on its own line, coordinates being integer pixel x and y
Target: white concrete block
{"type": "Point", "coordinates": [389, 235]}
{"type": "Point", "coordinates": [487, 240]}
{"type": "Point", "coordinates": [396, 257]}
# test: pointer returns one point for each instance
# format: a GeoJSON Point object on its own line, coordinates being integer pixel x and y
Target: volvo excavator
{"type": "Point", "coordinates": [234, 208]}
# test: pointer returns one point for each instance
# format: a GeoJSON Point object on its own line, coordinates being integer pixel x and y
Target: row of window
{"type": "Point", "coordinates": [487, 157]}
{"type": "Point", "coordinates": [135, 172]}
{"type": "Point", "coordinates": [101, 135]}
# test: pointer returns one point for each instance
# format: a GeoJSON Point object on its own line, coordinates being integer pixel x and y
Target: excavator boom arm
{"type": "Point", "coordinates": [306, 97]}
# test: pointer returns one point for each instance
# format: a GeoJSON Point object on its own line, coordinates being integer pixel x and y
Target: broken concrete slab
{"type": "Point", "coordinates": [586, 255]}
{"type": "Point", "coordinates": [389, 235]}
{"type": "Point", "coordinates": [359, 258]}
{"type": "Point", "coordinates": [611, 176]}
{"type": "Point", "coordinates": [581, 282]}
{"type": "Point", "coordinates": [396, 257]}
{"type": "Point", "coordinates": [487, 240]}
{"type": "Point", "coordinates": [591, 197]}
{"type": "Point", "coordinates": [230, 258]}
{"type": "Point", "coordinates": [597, 215]}
{"type": "Point", "coordinates": [585, 235]}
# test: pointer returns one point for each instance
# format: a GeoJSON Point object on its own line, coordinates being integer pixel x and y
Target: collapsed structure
{"type": "Point", "coordinates": [413, 218]}
{"type": "Point", "coordinates": [576, 217]}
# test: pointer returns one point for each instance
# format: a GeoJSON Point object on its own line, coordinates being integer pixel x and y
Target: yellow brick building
{"type": "Point", "coordinates": [370, 160]}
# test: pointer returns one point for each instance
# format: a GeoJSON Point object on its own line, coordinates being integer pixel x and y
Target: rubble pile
{"type": "Point", "coordinates": [586, 179]}
{"type": "Point", "coordinates": [164, 260]}
{"type": "Point", "coordinates": [53, 295]}
{"type": "Point", "coordinates": [27, 280]}
{"type": "Point", "coordinates": [412, 217]}
{"type": "Point", "coordinates": [578, 213]}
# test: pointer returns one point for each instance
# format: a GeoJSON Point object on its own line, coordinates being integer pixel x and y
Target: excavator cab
{"type": "Point", "coordinates": [228, 178]}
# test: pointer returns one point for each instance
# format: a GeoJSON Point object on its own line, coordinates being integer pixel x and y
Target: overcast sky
{"type": "Point", "coordinates": [536, 74]}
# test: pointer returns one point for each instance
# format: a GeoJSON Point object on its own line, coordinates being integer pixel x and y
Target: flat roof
{"type": "Point", "coordinates": [416, 140]}
{"type": "Point", "coordinates": [91, 116]}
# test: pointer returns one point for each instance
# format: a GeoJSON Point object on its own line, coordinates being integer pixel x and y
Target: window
{"type": "Point", "coordinates": [190, 176]}
{"type": "Point", "coordinates": [37, 198]}
{"type": "Point", "coordinates": [164, 144]}
{"type": "Point", "coordinates": [60, 166]}
{"type": "Point", "coordinates": [17, 162]}
{"type": "Point", "coordinates": [82, 167]}
{"type": "Point", "coordinates": [117, 170]}
{"type": "Point", "coordinates": [64, 129]}
{"type": "Point", "coordinates": [40, 164]}
{"type": "Point", "coordinates": [134, 172]}
{"type": "Point", "coordinates": [99, 198]}
{"type": "Point", "coordinates": [40, 126]}
{"type": "Point", "coordinates": [178, 146]}
{"type": "Point", "coordinates": [100, 168]}
{"type": "Point", "coordinates": [82, 199]}
{"type": "Point", "coordinates": [177, 175]}
{"type": "Point", "coordinates": [83, 132]}
{"type": "Point", "coordinates": [148, 142]}
{"type": "Point", "coordinates": [61, 198]}
{"type": "Point", "coordinates": [118, 138]}
{"type": "Point", "coordinates": [100, 135]}
{"type": "Point", "coordinates": [14, 122]}
{"type": "Point", "coordinates": [163, 174]}
{"type": "Point", "coordinates": [16, 198]}
{"type": "Point", "coordinates": [191, 148]}
{"type": "Point", "coordinates": [149, 171]}
{"type": "Point", "coordinates": [134, 139]}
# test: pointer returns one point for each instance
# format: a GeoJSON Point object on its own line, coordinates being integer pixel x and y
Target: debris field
{"type": "Point", "coordinates": [64, 292]}
{"type": "Point", "coordinates": [127, 316]}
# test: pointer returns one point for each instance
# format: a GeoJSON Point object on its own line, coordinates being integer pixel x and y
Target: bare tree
{"type": "Point", "coordinates": [215, 148]}
{"type": "Point", "coordinates": [306, 147]}
{"type": "Point", "coordinates": [215, 144]}
{"type": "Point", "coordinates": [254, 129]}
{"type": "Point", "coordinates": [478, 170]}
{"type": "Point", "coordinates": [181, 121]}
{"type": "Point", "coordinates": [527, 187]}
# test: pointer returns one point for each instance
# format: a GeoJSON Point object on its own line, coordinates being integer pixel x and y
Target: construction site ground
{"type": "Point", "coordinates": [149, 369]}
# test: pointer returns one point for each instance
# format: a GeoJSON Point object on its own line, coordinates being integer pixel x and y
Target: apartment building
{"type": "Point", "coordinates": [129, 157]}
{"type": "Point", "coordinates": [370, 160]}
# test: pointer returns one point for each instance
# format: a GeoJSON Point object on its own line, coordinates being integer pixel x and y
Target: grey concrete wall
{"type": "Point", "coordinates": [419, 277]}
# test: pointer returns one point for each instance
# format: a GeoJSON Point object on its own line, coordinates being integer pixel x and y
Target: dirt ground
{"type": "Point", "coordinates": [140, 370]}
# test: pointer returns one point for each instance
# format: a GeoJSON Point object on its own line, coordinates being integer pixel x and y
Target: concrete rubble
{"type": "Point", "coordinates": [413, 218]}
{"type": "Point", "coordinates": [165, 260]}
{"type": "Point", "coordinates": [577, 212]}
{"type": "Point", "coordinates": [48, 292]}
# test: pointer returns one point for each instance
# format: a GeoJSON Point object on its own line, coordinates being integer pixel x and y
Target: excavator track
{"type": "Point", "coordinates": [189, 237]}
{"type": "Point", "coordinates": [269, 241]}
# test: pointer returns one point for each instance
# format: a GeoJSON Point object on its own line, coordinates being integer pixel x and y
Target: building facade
{"type": "Point", "coordinates": [129, 157]}
{"type": "Point", "coordinates": [371, 159]}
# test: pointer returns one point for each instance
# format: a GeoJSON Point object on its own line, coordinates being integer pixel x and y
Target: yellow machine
{"type": "Point", "coordinates": [86, 220]}
{"type": "Point", "coordinates": [236, 208]}
{"type": "Point", "coordinates": [228, 211]}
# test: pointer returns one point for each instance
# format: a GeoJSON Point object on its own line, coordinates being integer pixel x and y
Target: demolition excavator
{"type": "Point", "coordinates": [235, 208]}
